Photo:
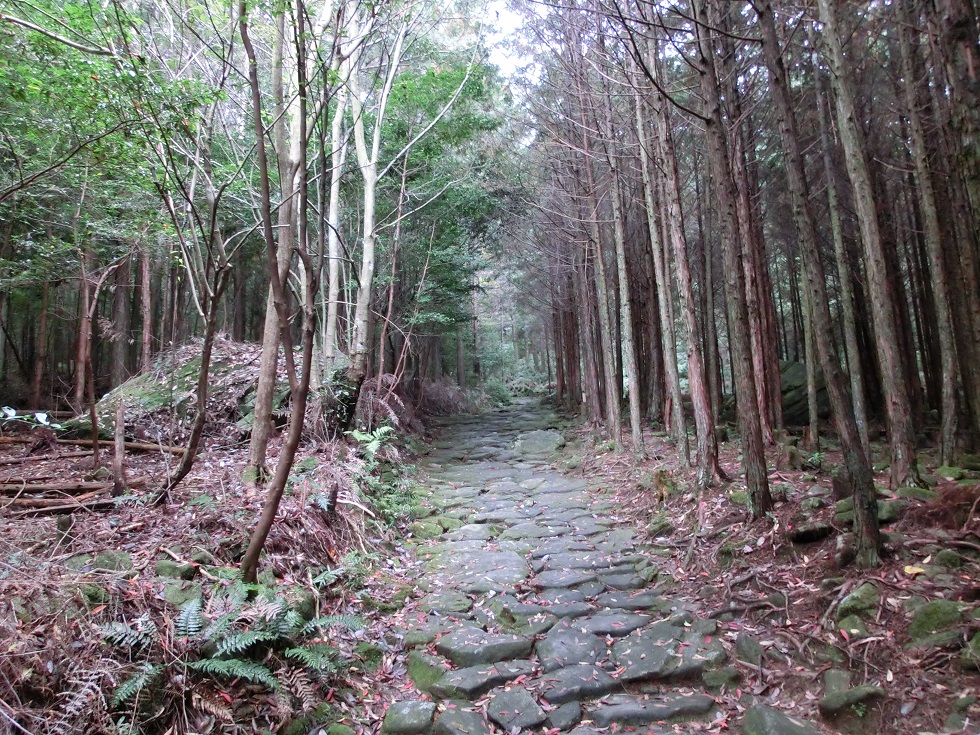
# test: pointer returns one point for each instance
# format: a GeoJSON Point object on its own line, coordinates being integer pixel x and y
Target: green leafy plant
{"type": "Point", "coordinates": [244, 632]}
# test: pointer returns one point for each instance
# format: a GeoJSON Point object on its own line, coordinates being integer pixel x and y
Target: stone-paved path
{"type": "Point", "coordinates": [540, 609]}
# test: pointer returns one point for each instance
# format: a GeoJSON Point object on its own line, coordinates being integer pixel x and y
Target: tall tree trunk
{"type": "Point", "coordinates": [667, 334]}
{"type": "Point", "coordinates": [119, 338]}
{"type": "Point", "coordinates": [146, 309]}
{"type": "Point", "coordinates": [853, 353]}
{"type": "Point", "coordinates": [750, 428]}
{"type": "Point", "coordinates": [41, 357]}
{"type": "Point", "coordinates": [627, 346]}
{"type": "Point", "coordinates": [856, 461]}
{"type": "Point", "coordinates": [904, 470]}
{"type": "Point", "coordinates": [933, 239]}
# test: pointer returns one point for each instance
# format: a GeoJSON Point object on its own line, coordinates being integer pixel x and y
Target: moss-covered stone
{"type": "Point", "coordinates": [174, 570]}
{"type": "Point", "coordinates": [748, 649]}
{"type": "Point", "coordinates": [177, 593]}
{"type": "Point", "coordinates": [79, 562]}
{"type": "Point", "coordinates": [853, 626]}
{"type": "Point", "coordinates": [720, 678]}
{"type": "Point", "coordinates": [739, 497]}
{"type": "Point", "coordinates": [862, 601]}
{"type": "Point", "coordinates": [970, 655]}
{"type": "Point", "coordinates": [425, 671]}
{"type": "Point", "coordinates": [448, 523]}
{"type": "Point", "coordinates": [425, 528]}
{"type": "Point", "coordinates": [916, 493]}
{"type": "Point", "coordinates": [113, 561]}
{"type": "Point", "coordinates": [933, 617]}
{"type": "Point", "coordinates": [948, 558]}
{"type": "Point", "coordinates": [836, 703]}
{"type": "Point", "coordinates": [950, 473]}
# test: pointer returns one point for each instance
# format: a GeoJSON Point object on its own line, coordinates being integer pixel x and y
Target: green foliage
{"type": "Point", "coordinates": [497, 392]}
{"type": "Point", "coordinates": [372, 442]}
{"type": "Point", "coordinates": [141, 633]}
{"type": "Point", "coordinates": [144, 676]}
{"type": "Point", "coordinates": [235, 643]}
{"type": "Point", "coordinates": [234, 668]}
{"type": "Point", "coordinates": [243, 632]}
{"type": "Point", "coordinates": [190, 619]}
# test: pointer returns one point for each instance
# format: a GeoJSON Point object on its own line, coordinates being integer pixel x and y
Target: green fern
{"type": "Point", "coordinates": [141, 633]}
{"type": "Point", "coordinates": [234, 668]}
{"type": "Point", "coordinates": [235, 643]}
{"type": "Point", "coordinates": [351, 622]}
{"type": "Point", "coordinates": [317, 656]}
{"type": "Point", "coordinates": [190, 620]}
{"type": "Point", "coordinates": [144, 676]}
{"type": "Point", "coordinates": [327, 577]}
{"type": "Point", "coordinates": [289, 623]}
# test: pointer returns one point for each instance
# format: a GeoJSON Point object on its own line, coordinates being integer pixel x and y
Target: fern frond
{"type": "Point", "coordinates": [235, 643]}
{"type": "Point", "coordinates": [234, 668]}
{"type": "Point", "coordinates": [325, 622]}
{"type": "Point", "coordinates": [219, 625]}
{"type": "Point", "coordinates": [319, 657]}
{"type": "Point", "coordinates": [297, 683]}
{"type": "Point", "coordinates": [144, 676]}
{"type": "Point", "coordinates": [141, 633]}
{"type": "Point", "coordinates": [264, 610]}
{"type": "Point", "coordinates": [210, 703]}
{"type": "Point", "coordinates": [190, 619]}
{"type": "Point", "coordinates": [289, 623]}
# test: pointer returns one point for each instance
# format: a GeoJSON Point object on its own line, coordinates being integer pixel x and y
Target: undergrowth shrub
{"type": "Point", "coordinates": [244, 635]}
{"type": "Point", "coordinates": [496, 392]}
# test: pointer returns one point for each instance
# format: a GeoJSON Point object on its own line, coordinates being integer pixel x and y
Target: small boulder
{"type": "Point", "coordinates": [862, 601]}
{"type": "Point", "coordinates": [933, 617]}
{"type": "Point", "coordinates": [748, 649]}
{"type": "Point", "coordinates": [174, 570]}
{"type": "Point", "coordinates": [836, 703]}
{"type": "Point", "coordinates": [806, 533]}
{"type": "Point", "coordinates": [970, 655]}
{"type": "Point", "coordinates": [853, 626]}
{"type": "Point", "coordinates": [953, 474]}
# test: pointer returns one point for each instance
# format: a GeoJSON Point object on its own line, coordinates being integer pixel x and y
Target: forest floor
{"type": "Point", "coordinates": [106, 600]}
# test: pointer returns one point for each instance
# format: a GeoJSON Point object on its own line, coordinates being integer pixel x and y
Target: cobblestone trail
{"type": "Point", "coordinates": [540, 608]}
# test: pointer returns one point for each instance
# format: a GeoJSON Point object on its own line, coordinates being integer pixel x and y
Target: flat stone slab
{"type": "Point", "coordinates": [629, 710]}
{"type": "Point", "coordinates": [628, 581]}
{"type": "Point", "coordinates": [461, 722]}
{"type": "Point", "coordinates": [578, 560]}
{"type": "Point", "coordinates": [408, 718]}
{"type": "Point", "coordinates": [575, 683]}
{"type": "Point", "coordinates": [532, 530]}
{"type": "Point", "coordinates": [515, 709]}
{"type": "Point", "coordinates": [472, 532]}
{"type": "Point", "coordinates": [471, 682]}
{"type": "Point", "coordinates": [562, 578]}
{"type": "Point", "coordinates": [762, 720]}
{"type": "Point", "coordinates": [645, 656]}
{"type": "Point", "coordinates": [472, 646]}
{"type": "Point", "coordinates": [629, 601]}
{"type": "Point", "coordinates": [560, 545]}
{"type": "Point", "coordinates": [569, 609]}
{"type": "Point", "coordinates": [612, 624]}
{"type": "Point", "coordinates": [565, 647]}
{"type": "Point", "coordinates": [446, 602]}
{"type": "Point", "coordinates": [484, 571]}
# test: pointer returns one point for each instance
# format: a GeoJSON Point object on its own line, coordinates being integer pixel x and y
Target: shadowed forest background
{"type": "Point", "coordinates": [736, 244]}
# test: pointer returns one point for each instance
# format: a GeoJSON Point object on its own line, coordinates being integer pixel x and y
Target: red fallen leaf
{"type": "Point", "coordinates": [844, 635]}
{"type": "Point", "coordinates": [330, 694]}
{"type": "Point", "coordinates": [225, 696]}
{"type": "Point", "coordinates": [707, 639]}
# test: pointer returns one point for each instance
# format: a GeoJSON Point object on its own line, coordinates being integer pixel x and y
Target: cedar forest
{"type": "Point", "coordinates": [281, 241]}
